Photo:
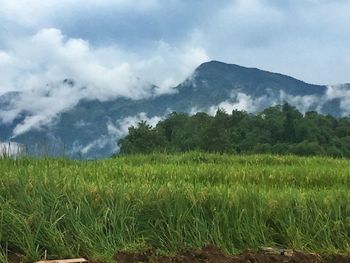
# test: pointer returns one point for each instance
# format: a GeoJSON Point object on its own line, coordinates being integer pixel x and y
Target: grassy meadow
{"type": "Point", "coordinates": [172, 202]}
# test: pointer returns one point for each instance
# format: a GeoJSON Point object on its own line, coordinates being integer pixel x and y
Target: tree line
{"type": "Point", "coordinates": [280, 129]}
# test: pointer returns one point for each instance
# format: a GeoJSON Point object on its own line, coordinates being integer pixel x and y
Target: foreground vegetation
{"type": "Point", "coordinates": [171, 202]}
{"type": "Point", "coordinates": [281, 129]}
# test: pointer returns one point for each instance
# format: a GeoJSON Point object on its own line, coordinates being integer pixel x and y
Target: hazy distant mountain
{"type": "Point", "coordinates": [92, 127]}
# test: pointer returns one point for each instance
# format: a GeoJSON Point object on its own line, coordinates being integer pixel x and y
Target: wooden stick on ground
{"type": "Point", "coordinates": [76, 260]}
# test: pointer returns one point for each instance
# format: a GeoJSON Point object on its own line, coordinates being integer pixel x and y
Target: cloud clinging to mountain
{"type": "Point", "coordinates": [38, 64]}
{"type": "Point", "coordinates": [119, 47]}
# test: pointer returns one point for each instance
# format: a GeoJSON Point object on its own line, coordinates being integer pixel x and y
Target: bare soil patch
{"type": "Point", "coordinates": [15, 258]}
{"type": "Point", "coordinates": [211, 254]}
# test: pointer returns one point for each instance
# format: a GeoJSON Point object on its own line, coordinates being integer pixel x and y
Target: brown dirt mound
{"type": "Point", "coordinates": [15, 258]}
{"type": "Point", "coordinates": [211, 254]}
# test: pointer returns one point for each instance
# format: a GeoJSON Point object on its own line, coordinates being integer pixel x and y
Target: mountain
{"type": "Point", "coordinates": [91, 128]}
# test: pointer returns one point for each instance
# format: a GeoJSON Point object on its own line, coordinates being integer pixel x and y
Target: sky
{"type": "Point", "coordinates": [116, 43]}
{"type": "Point", "coordinates": [117, 48]}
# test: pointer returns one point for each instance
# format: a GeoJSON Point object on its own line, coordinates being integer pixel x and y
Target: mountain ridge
{"type": "Point", "coordinates": [91, 128]}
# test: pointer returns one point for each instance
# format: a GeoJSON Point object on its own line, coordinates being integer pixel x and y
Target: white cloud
{"type": "Point", "coordinates": [107, 71]}
{"type": "Point", "coordinates": [11, 149]}
{"type": "Point", "coordinates": [304, 103]}
{"type": "Point", "coordinates": [116, 130]}
{"type": "Point", "coordinates": [170, 66]}
{"type": "Point", "coordinates": [100, 143]}
{"type": "Point", "coordinates": [49, 57]}
{"type": "Point", "coordinates": [242, 102]}
{"type": "Point", "coordinates": [307, 39]}
{"type": "Point", "coordinates": [309, 36]}
{"type": "Point", "coordinates": [245, 102]}
{"type": "Point", "coordinates": [37, 65]}
{"type": "Point", "coordinates": [120, 128]}
{"type": "Point", "coordinates": [341, 92]}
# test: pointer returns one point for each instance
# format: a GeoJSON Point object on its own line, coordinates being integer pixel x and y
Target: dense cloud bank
{"type": "Point", "coordinates": [117, 130]}
{"type": "Point", "coordinates": [38, 65]}
{"type": "Point", "coordinates": [11, 149]}
{"type": "Point", "coordinates": [159, 42]}
{"type": "Point", "coordinates": [239, 100]}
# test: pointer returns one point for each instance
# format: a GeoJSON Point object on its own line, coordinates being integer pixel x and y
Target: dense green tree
{"type": "Point", "coordinates": [291, 116]}
{"type": "Point", "coordinates": [280, 129]}
{"type": "Point", "coordinates": [273, 121]}
{"type": "Point", "coordinates": [307, 148]}
{"type": "Point", "coordinates": [142, 139]}
{"type": "Point", "coordinates": [216, 137]}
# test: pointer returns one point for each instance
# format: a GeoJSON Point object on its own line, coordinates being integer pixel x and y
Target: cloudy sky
{"type": "Point", "coordinates": [117, 47]}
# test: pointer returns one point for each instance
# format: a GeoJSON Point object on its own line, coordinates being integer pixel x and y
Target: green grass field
{"type": "Point", "coordinates": [171, 202]}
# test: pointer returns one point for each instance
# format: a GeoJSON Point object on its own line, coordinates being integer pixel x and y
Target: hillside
{"type": "Point", "coordinates": [91, 128]}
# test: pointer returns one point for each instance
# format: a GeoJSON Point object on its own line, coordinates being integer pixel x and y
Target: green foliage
{"type": "Point", "coordinates": [281, 129]}
{"type": "Point", "coordinates": [142, 139]}
{"type": "Point", "coordinates": [172, 202]}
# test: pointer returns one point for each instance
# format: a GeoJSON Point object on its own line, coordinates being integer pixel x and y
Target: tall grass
{"type": "Point", "coordinates": [171, 202]}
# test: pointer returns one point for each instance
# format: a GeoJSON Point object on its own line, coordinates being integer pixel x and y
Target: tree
{"type": "Point", "coordinates": [291, 115]}
{"type": "Point", "coordinates": [306, 148]}
{"type": "Point", "coordinates": [142, 139]}
{"type": "Point", "coordinates": [281, 129]}
{"type": "Point", "coordinates": [216, 137]}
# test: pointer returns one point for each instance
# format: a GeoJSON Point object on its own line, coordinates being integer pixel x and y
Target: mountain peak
{"type": "Point", "coordinates": [218, 69]}
{"type": "Point", "coordinates": [234, 76]}
{"type": "Point", "coordinates": [92, 127]}
{"type": "Point", "coordinates": [217, 65]}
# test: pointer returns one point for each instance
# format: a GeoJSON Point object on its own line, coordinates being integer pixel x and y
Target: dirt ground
{"type": "Point", "coordinates": [211, 254]}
